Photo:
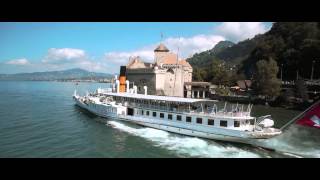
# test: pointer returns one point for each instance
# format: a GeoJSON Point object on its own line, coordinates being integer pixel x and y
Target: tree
{"type": "Point", "coordinates": [220, 75]}
{"type": "Point", "coordinates": [197, 75]}
{"type": "Point", "coordinates": [200, 74]}
{"type": "Point", "coordinates": [265, 79]}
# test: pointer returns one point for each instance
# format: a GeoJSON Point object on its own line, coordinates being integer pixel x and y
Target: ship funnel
{"type": "Point", "coordinates": [122, 78]}
{"type": "Point", "coordinates": [118, 86]}
{"type": "Point", "coordinates": [127, 82]}
{"type": "Point", "coordinates": [145, 90]}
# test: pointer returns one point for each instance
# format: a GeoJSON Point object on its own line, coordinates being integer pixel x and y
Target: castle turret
{"type": "Point", "coordinates": [161, 48]}
{"type": "Point", "coordinates": [160, 52]}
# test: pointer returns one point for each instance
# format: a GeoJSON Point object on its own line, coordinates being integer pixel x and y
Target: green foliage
{"type": "Point", "coordinates": [265, 79]}
{"type": "Point", "coordinates": [199, 74]}
{"type": "Point", "coordinates": [222, 91]}
{"type": "Point", "coordinates": [239, 52]}
{"type": "Point", "coordinates": [220, 75]}
{"type": "Point", "coordinates": [204, 59]}
{"type": "Point", "coordinates": [293, 44]}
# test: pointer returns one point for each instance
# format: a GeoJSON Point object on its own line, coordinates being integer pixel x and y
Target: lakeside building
{"type": "Point", "coordinates": [167, 76]}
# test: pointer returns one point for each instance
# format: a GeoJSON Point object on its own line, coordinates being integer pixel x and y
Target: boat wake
{"type": "Point", "coordinates": [185, 146]}
{"type": "Point", "coordinates": [297, 141]}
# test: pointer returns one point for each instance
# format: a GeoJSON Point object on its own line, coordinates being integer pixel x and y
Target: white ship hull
{"type": "Point", "coordinates": [195, 133]}
{"type": "Point", "coordinates": [94, 110]}
{"type": "Point", "coordinates": [171, 126]}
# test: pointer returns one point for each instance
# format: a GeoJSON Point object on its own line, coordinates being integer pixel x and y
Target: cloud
{"type": "Point", "coordinates": [22, 61]}
{"type": "Point", "coordinates": [55, 55]}
{"type": "Point", "coordinates": [189, 46]}
{"type": "Point", "coordinates": [123, 57]}
{"type": "Point", "coordinates": [91, 65]}
{"type": "Point", "coordinates": [238, 31]}
{"type": "Point", "coordinates": [66, 58]}
{"type": "Point", "coordinates": [186, 47]}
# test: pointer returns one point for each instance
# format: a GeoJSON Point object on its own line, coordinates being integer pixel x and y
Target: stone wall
{"type": "Point", "coordinates": [142, 77]}
{"type": "Point", "coordinates": [173, 84]}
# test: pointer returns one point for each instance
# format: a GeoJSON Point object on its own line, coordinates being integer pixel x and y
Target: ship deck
{"type": "Point", "coordinates": [159, 98]}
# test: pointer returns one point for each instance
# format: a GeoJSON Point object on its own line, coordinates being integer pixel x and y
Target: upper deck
{"type": "Point", "coordinates": [164, 99]}
{"type": "Point", "coordinates": [190, 106]}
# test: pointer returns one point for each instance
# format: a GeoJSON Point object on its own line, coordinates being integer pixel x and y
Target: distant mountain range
{"type": "Point", "coordinates": [293, 45]}
{"type": "Point", "coordinates": [70, 74]}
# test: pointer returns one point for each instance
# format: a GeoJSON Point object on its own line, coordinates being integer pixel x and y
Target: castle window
{"type": "Point", "coordinates": [147, 113]}
{"type": "Point", "coordinates": [161, 115]}
{"type": "Point", "coordinates": [154, 114]}
{"type": "Point", "coordinates": [170, 70]}
{"type": "Point", "coordinates": [169, 116]}
{"type": "Point", "coordinates": [178, 118]}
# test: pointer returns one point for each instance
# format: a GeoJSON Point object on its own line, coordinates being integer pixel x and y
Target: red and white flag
{"type": "Point", "coordinates": [311, 117]}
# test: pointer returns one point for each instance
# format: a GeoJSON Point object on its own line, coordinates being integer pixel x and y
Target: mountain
{"type": "Point", "coordinates": [222, 45]}
{"type": "Point", "coordinates": [227, 51]}
{"type": "Point", "coordinates": [293, 45]}
{"type": "Point", "coordinates": [238, 52]}
{"type": "Point", "coordinates": [205, 58]}
{"type": "Point", "coordinates": [70, 74]}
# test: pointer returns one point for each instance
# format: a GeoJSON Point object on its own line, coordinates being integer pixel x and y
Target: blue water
{"type": "Point", "coordinates": [39, 119]}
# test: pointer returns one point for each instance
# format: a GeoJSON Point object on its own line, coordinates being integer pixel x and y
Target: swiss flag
{"type": "Point", "coordinates": [311, 117]}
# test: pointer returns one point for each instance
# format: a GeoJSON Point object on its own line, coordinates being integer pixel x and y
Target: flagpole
{"type": "Point", "coordinates": [299, 115]}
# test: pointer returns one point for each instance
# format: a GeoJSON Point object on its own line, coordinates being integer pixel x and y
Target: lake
{"type": "Point", "coordinates": [40, 119]}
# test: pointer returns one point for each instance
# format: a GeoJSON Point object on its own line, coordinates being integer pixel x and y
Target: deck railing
{"type": "Point", "coordinates": [185, 110]}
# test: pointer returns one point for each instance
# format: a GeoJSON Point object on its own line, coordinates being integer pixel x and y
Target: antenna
{"type": "Point", "coordinates": [175, 75]}
{"type": "Point", "coordinates": [161, 35]}
{"type": "Point", "coordinates": [178, 49]}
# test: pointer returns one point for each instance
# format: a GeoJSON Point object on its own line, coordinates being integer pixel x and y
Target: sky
{"type": "Point", "coordinates": [104, 47]}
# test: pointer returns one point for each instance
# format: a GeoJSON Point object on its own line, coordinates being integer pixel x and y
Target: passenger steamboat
{"type": "Point", "coordinates": [186, 116]}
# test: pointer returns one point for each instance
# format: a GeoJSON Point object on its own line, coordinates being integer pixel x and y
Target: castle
{"type": "Point", "coordinates": [168, 75]}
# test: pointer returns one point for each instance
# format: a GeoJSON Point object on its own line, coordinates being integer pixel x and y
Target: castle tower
{"type": "Point", "coordinates": [160, 53]}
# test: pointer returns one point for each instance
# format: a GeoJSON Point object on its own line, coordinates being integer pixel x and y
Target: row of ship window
{"type": "Point", "coordinates": [223, 123]}
{"type": "Point", "coordinates": [104, 110]}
